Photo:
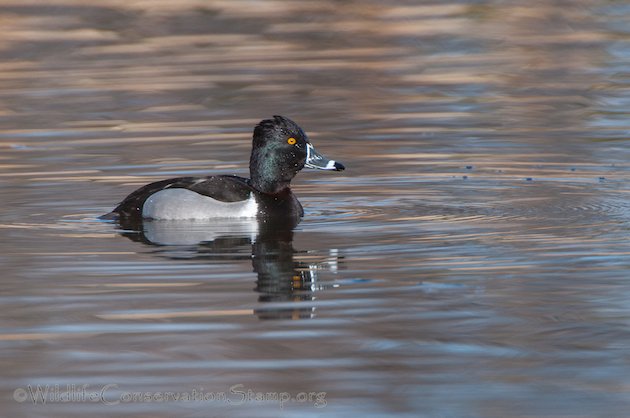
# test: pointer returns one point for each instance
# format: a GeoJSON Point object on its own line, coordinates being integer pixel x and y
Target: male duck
{"type": "Point", "coordinates": [280, 149]}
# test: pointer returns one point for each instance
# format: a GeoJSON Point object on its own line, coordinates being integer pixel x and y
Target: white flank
{"type": "Point", "coordinates": [186, 204]}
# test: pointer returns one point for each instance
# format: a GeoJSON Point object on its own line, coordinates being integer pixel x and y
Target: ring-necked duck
{"type": "Point", "coordinates": [280, 149]}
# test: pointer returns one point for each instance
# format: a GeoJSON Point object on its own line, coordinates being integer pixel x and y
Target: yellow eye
{"type": "Point", "coordinates": [291, 141]}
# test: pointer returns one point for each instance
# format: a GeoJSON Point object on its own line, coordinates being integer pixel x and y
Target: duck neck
{"type": "Point", "coordinates": [267, 186]}
{"type": "Point", "coordinates": [267, 174]}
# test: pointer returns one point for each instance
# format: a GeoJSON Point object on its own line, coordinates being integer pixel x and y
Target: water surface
{"type": "Point", "coordinates": [472, 261]}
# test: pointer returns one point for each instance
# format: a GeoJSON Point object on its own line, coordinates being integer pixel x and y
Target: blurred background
{"type": "Point", "coordinates": [472, 261]}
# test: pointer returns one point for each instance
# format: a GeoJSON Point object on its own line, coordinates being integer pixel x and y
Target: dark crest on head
{"type": "Point", "coordinates": [270, 128]}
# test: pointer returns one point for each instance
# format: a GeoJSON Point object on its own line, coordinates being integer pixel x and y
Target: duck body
{"type": "Point", "coordinates": [280, 149]}
{"type": "Point", "coordinates": [207, 197]}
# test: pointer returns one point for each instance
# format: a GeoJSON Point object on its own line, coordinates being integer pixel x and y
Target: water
{"type": "Point", "coordinates": [472, 261]}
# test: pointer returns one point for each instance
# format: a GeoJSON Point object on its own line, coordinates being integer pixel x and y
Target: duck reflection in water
{"type": "Point", "coordinates": [282, 277]}
{"type": "Point", "coordinates": [223, 215]}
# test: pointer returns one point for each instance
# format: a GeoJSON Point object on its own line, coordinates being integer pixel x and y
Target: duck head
{"type": "Point", "coordinates": [280, 149]}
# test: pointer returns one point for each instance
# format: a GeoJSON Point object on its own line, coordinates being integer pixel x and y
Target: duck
{"type": "Point", "coordinates": [280, 150]}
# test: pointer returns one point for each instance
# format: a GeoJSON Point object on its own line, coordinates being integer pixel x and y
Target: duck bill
{"type": "Point", "coordinates": [316, 160]}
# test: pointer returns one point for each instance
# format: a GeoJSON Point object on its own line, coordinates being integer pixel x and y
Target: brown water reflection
{"type": "Point", "coordinates": [471, 262]}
